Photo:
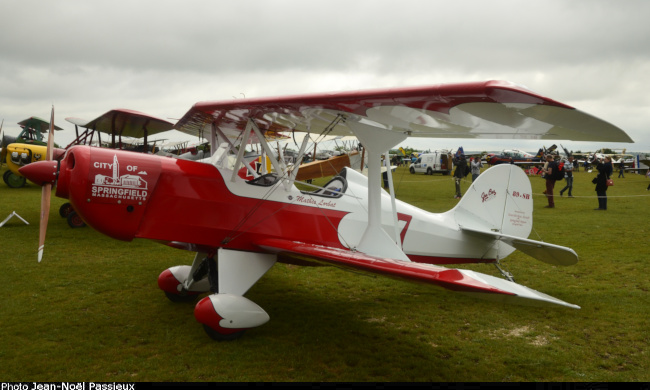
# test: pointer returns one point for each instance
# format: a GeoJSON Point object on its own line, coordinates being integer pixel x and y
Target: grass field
{"type": "Point", "coordinates": [92, 311]}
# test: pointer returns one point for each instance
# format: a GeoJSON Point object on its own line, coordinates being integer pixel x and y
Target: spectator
{"type": "Point", "coordinates": [604, 172]}
{"type": "Point", "coordinates": [568, 175]}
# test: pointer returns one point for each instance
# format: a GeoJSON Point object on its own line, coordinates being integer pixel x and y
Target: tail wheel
{"type": "Point", "coordinates": [75, 221]}
{"type": "Point", "coordinates": [65, 210]}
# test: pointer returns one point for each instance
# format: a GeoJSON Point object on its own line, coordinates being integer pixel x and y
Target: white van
{"type": "Point", "coordinates": [430, 163]}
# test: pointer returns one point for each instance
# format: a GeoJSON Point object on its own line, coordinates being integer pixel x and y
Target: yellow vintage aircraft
{"type": "Point", "coordinates": [28, 147]}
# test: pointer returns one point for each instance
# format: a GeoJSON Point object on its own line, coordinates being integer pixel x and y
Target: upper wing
{"type": "Point", "coordinates": [127, 123]}
{"type": "Point", "coordinates": [466, 281]}
{"type": "Point", "coordinates": [492, 109]}
{"type": "Point", "coordinates": [37, 123]}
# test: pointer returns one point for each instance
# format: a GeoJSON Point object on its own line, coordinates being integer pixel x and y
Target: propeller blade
{"type": "Point", "coordinates": [50, 138]}
{"type": "Point", "coordinates": [46, 193]}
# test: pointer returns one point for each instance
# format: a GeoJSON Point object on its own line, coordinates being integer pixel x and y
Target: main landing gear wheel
{"type": "Point", "coordinates": [75, 221]}
{"type": "Point", "coordinates": [214, 335]}
{"type": "Point", "coordinates": [180, 297]}
{"type": "Point", "coordinates": [14, 181]}
{"type": "Point", "coordinates": [65, 210]}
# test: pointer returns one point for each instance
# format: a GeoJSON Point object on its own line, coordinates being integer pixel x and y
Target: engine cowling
{"type": "Point", "coordinates": [111, 187]}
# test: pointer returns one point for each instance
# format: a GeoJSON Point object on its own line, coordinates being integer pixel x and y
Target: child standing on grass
{"type": "Point", "coordinates": [568, 175]}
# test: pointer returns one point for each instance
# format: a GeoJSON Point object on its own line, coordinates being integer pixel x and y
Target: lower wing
{"type": "Point", "coordinates": [465, 281]}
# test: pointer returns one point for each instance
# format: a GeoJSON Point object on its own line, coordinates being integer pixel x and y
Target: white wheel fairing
{"type": "Point", "coordinates": [182, 272]}
{"type": "Point", "coordinates": [238, 312]}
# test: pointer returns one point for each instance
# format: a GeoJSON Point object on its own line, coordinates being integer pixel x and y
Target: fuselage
{"type": "Point", "coordinates": [201, 207]}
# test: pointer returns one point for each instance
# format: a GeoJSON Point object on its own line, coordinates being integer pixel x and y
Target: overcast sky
{"type": "Point", "coordinates": [160, 57]}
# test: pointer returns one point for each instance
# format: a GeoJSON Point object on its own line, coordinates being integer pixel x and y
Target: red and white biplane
{"type": "Point", "coordinates": [242, 227]}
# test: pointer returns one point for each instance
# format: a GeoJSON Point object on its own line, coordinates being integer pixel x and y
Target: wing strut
{"type": "Point", "coordinates": [389, 175]}
{"type": "Point", "coordinates": [296, 165]}
{"type": "Point", "coordinates": [265, 146]}
{"type": "Point", "coordinates": [242, 149]}
{"type": "Point", "coordinates": [375, 241]}
{"type": "Point", "coordinates": [216, 130]}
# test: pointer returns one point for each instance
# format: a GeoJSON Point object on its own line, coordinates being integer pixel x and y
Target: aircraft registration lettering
{"type": "Point", "coordinates": [517, 194]}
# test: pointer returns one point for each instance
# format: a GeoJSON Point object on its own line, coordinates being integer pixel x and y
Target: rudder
{"type": "Point", "coordinates": [499, 200]}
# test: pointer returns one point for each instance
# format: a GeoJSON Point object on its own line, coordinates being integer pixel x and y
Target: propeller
{"type": "Point", "coordinates": [46, 192]}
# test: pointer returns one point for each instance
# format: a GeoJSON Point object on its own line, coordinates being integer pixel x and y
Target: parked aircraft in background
{"type": "Point", "coordinates": [25, 149]}
{"type": "Point", "coordinates": [124, 127]}
{"type": "Point", "coordinates": [119, 123]}
{"type": "Point", "coordinates": [617, 158]}
{"type": "Point", "coordinates": [519, 157]}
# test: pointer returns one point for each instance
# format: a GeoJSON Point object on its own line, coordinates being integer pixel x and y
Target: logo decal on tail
{"type": "Point", "coordinates": [491, 194]}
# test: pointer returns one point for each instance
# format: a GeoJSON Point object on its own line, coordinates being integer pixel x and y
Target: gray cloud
{"type": "Point", "coordinates": [161, 57]}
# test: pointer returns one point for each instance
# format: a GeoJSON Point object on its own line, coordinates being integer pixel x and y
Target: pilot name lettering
{"type": "Point", "coordinates": [310, 200]}
{"type": "Point", "coordinates": [327, 203]}
{"type": "Point", "coordinates": [303, 199]}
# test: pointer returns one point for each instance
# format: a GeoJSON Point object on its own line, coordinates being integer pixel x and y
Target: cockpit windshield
{"type": "Point", "coordinates": [334, 188]}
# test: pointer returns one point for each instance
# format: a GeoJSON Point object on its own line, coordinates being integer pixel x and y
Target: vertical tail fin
{"type": "Point", "coordinates": [499, 204]}
{"type": "Point", "coordinates": [500, 200]}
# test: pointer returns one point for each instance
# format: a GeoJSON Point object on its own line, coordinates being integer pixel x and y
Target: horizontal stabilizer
{"type": "Point", "coordinates": [542, 251]}
{"type": "Point", "coordinates": [480, 285]}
